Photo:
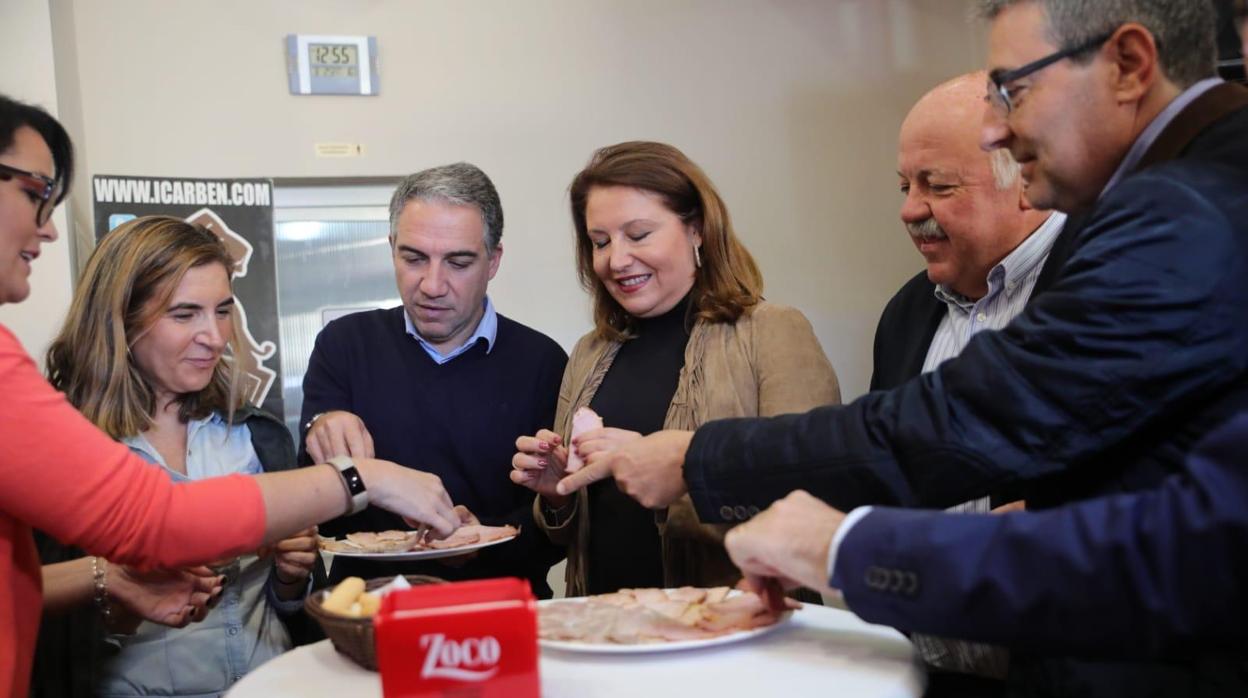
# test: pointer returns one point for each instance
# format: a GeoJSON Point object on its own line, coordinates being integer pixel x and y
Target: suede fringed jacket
{"type": "Point", "coordinates": [767, 363]}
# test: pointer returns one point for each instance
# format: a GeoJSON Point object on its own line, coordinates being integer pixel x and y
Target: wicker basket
{"type": "Point", "coordinates": [354, 636]}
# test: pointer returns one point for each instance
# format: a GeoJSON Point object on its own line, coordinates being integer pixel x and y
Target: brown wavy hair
{"type": "Point", "coordinates": [128, 282]}
{"type": "Point", "coordinates": [726, 286]}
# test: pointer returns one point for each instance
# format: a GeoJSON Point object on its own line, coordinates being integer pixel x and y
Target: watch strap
{"type": "Point", "coordinates": [352, 481]}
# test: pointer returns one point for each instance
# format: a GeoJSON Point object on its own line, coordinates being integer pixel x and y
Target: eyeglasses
{"type": "Point", "coordinates": [47, 189]}
{"type": "Point", "coordinates": [998, 80]}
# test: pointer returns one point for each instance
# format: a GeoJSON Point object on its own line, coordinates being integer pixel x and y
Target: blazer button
{"type": "Point", "coordinates": [912, 583]}
{"type": "Point", "coordinates": [725, 513]}
{"type": "Point", "coordinates": [898, 579]}
{"type": "Point", "coordinates": [875, 578]}
{"type": "Point", "coordinates": [739, 512]}
{"type": "Point", "coordinates": [752, 511]}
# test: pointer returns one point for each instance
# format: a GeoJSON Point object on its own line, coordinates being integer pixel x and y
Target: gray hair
{"type": "Point", "coordinates": [460, 184]}
{"type": "Point", "coordinates": [1005, 169]}
{"type": "Point", "coordinates": [1185, 30]}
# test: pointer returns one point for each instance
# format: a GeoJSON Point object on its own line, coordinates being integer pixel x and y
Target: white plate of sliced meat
{"type": "Point", "coordinates": [633, 621]}
{"type": "Point", "coordinates": [408, 545]}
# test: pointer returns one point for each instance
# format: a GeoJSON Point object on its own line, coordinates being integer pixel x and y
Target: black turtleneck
{"type": "Point", "coordinates": [624, 546]}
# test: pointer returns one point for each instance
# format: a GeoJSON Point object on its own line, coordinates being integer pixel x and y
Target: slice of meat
{"type": "Point", "coordinates": [471, 535]}
{"type": "Point", "coordinates": [383, 541]}
{"type": "Point", "coordinates": [645, 625]}
{"type": "Point", "coordinates": [561, 620]}
{"type": "Point", "coordinates": [692, 614]}
{"type": "Point", "coordinates": [717, 594]}
{"type": "Point", "coordinates": [493, 533]}
{"type": "Point", "coordinates": [742, 612]}
{"type": "Point", "coordinates": [339, 546]}
{"type": "Point", "coordinates": [648, 597]}
{"type": "Point", "coordinates": [639, 616]}
{"type": "Point", "coordinates": [623, 598]}
{"type": "Point", "coordinates": [675, 610]}
{"type": "Point", "coordinates": [687, 594]}
{"type": "Point", "coordinates": [583, 420]}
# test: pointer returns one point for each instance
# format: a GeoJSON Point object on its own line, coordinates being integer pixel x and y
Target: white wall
{"type": "Point", "coordinates": [26, 54]}
{"type": "Point", "coordinates": [791, 106]}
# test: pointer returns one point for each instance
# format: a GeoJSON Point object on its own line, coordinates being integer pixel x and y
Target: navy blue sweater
{"type": "Point", "coordinates": [458, 420]}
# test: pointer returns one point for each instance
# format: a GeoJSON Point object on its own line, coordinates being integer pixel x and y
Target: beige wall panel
{"type": "Point", "coordinates": [791, 107]}
{"type": "Point", "coordinates": [26, 54]}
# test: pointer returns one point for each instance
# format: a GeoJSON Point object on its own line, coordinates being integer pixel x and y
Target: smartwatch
{"type": "Point", "coordinates": [352, 481]}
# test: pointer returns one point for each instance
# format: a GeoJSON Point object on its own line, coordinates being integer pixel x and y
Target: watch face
{"type": "Point", "coordinates": [355, 483]}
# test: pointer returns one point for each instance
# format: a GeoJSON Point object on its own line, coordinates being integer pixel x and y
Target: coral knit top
{"type": "Point", "coordinates": [60, 474]}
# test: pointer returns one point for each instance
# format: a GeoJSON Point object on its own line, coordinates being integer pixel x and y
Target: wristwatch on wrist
{"type": "Point", "coordinates": [352, 481]}
{"type": "Point", "coordinates": [557, 516]}
{"type": "Point", "coordinates": [308, 427]}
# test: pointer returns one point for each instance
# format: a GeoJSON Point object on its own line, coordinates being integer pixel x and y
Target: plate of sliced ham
{"type": "Point", "coordinates": [409, 545]}
{"type": "Point", "coordinates": [633, 621]}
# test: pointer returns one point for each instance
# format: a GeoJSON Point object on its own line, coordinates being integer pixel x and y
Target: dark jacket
{"type": "Point", "coordinates": [912, 316]}
{"type": "Point", "coordinates": [1191, 532]}
{"type": "Point", "coordinates": [70, 646]}
{"type": "Point", "coordinates": [1102, 385]}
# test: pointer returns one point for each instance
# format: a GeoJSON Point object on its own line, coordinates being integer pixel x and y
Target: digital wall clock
{"type": "Point", "coordinates": [331, 65]}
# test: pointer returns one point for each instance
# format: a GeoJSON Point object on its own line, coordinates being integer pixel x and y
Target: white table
{"type": "Point", "coordinates": [819, 651]}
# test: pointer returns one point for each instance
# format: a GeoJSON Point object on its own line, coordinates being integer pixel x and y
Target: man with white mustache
{"type": "Point", "coordinates": [987, 252]}
{"type": "Point", "coordinates": [964, 209]}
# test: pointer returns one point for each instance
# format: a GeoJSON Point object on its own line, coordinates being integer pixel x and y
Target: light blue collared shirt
{"type": "Point", "coordinates": [242, 632]}
{"type": "Point", "coordinates": [1150, 133]}
{"type": "Point", "coordinates": [1010, 283]}
{"type": "Point", "coordinates": [487, 329]}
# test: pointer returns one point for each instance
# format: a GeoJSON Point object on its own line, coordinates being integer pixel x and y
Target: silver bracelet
{"type": "Point", "coordinates": [99, 577]}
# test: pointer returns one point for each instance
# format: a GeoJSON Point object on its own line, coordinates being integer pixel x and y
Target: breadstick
{"type": "Point", "coordinates": [343, 595]}
{"type": "Point", "coordinates": [370, 604]}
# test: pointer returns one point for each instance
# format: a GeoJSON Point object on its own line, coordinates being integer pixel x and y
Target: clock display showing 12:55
{"type": "Point", "coordinates": [333, 60]}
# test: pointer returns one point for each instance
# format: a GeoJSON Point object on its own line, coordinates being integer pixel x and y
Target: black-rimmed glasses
{"type": "Point", "coordinates": [47, 189]}
{"type": "Point", "coordinates": [999, 80]}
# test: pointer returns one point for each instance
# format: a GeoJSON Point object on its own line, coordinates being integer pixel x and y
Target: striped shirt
{"type": "Point", "coordinates": [1010, 283]}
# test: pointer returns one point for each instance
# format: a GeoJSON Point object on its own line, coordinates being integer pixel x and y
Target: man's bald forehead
{"type": "Point", "coordinates": [963, 93]}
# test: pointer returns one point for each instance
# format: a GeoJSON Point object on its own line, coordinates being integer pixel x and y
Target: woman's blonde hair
{"type": "Point", "coordinates": [728, 282]}
{"type": "Point", "coordinates": [128, 282]}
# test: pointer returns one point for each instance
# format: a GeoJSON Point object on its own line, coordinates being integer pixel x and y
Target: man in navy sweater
{"type": "Point", "coordinates": [442, 383]}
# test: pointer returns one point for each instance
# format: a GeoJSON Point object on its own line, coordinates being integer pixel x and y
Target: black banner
{"type": "Point", "coordinates": [240, 211]}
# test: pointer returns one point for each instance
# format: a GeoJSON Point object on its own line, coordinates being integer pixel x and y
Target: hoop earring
{"type": "Point", "coordinates": [697, 257]}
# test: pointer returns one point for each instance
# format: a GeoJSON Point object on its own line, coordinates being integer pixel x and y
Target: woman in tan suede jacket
{"type": "Point", "coordinates": [680, 322]}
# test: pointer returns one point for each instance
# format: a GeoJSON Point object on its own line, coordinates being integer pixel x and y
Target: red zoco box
{"type": "Point", "coordinates": [465, 639]}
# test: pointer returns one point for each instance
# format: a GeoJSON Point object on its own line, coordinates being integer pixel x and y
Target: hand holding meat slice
{"type": "Point", "coordinates": [648, 469]}
{"type": "Point", "coordinates": [540, 462]}
{"type": "Point", "coordinates": [635, 616]}
{"type": "Point", "coordinates": [788, 542]}
{"type": "Point", "coordinates": [594, 444]}
{"type": "Point", "coordinates": [466, 518]}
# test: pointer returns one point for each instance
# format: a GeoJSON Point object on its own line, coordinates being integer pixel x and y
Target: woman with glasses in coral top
{"type": "Point", "coordinates": [62, 475]}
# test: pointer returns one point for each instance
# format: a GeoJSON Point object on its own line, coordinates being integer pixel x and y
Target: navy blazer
{"type": "Point", "coordinates": [1159, 573]}
{"type": "Point", "coordinates": [1102, 385]}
